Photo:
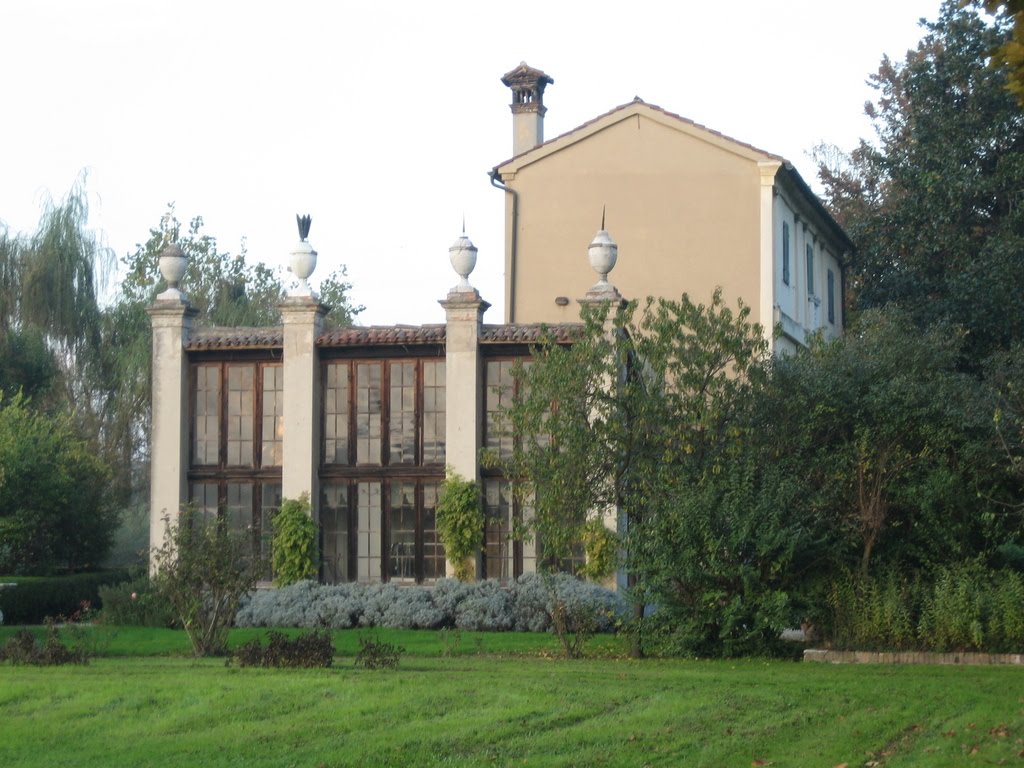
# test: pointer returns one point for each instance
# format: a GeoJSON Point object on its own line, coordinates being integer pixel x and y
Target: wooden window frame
{"type": "Point", "coordinates": [257, 467]}
{"type": "Point", "coordinates": [351, 484]}
{"type": "Point", "coordinates": [350, 474]}
{"type": "Point", "coordinates": [333, 468]}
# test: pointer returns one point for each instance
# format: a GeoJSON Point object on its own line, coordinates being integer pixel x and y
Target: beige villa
{"type": "Point", "coordinates": [365, 420]}
{"type": "Point", "coordinates": [693, 209]}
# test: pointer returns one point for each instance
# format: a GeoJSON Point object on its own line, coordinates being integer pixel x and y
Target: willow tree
{"type": "Point", "coordinates": [50, 282]}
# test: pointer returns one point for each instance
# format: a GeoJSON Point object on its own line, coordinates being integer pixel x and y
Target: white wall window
{"type": "Point", "coordinates": [785, 253]}
{"type": "Point", "coordinates": [831, 297]}
{"type": "Point", "coordinates": [810, 269]}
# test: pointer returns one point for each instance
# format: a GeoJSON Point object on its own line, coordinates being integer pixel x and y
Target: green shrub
{"type": "Point", "coordinates": [460, 523]}
{"type": "Point", "coordinates": [1006, 613]}
{"type": "Point", "coordinates": [952, 615]}
{"type": "Point", "coordinates": [295, 542]}
{"type": "Point", "coordinates": [964, 607]}
{"type": "Point", "coordinates": [872, 613]}
{"type": "Point", "coordinates": [34, 599]}
{"type": "Point", "coordinates": [309, 650]}
{"type": "Point", "coordinates": [135, 603]}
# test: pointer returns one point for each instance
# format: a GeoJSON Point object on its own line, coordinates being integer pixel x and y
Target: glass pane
{"type": "Point", "coordinates": [273, 415]}
{"type": "Point", "coordinates": [206, 430]}
{"type": "Point", "coordinates": [240, 415]}
{"type": "Point", "coordinates": [529, 543]}
{"type": "Point", "coordinates": [433, 413]}
{"type": "Point", "coordinates": [336, 414]}
{"type": "Point", "coordinates": [368, 407]}
{"type": "Point", "coordinates": [334, 532]}
{"type": "Point", "coordinates": [271, 502]}
{"type": "Point", "coordinates": [402, 547]}
{"type": "Point", "coordinates": [810, 270]}
{"type": "Point", "coordinates": [498, 550]}
{"type": "Point", "coordinates": [368, 532]}
{"type": "Point", "coordinates": [205, 501]}
{"type": "Point", "coordinates": [239, 506]}
{"type": "Point", "coordinates": [403, 413]}
{"type": "Point", "coordinates": [433, 549]}
{"type": "Point", "coordinates": [500, 391]}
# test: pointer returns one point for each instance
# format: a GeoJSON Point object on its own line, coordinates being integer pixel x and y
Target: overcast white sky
{"type": "Point", "coordinates": [382, 119]}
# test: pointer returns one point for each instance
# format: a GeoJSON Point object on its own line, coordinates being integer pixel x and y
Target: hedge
{"type": "Point", "coordinates": [36, 598]}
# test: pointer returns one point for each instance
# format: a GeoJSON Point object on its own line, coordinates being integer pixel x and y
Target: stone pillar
{"type": "Point", "coordinates": [464, 311]}
{"type": "Point", "coordinates": [603, 254]}
{"type": "Point", "coordinates": [171, 318]}
{"type": "Point", "coordinates": [302, 318]}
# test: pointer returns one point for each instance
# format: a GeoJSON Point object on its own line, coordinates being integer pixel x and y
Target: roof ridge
{"type": "Point", "coordinates": [638, 101]}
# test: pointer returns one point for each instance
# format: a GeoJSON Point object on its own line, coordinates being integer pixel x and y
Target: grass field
{"type": "Point", "coordinates": [471, 709]}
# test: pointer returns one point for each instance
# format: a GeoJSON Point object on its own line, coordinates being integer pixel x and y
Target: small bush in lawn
{"type": "Point", "coordinates": [309, 650]}
{"type": "Point", "coordinates": [377, 654]}
{"type": "Point", "coordinates": [204, 570]}
{"type": "Point", "coordinates": [451, 642]}
{"type": "Point", "coordinates": [25, 648]}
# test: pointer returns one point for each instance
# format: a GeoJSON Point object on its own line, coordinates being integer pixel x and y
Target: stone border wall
{"type": "Point", "coordinates": [912, 657]}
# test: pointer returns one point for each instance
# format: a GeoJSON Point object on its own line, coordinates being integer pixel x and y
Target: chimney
{"type": "Point", "coordinates": [528, 108]}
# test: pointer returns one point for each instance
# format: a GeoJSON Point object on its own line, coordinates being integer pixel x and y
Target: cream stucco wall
{"type": "Point", "coordinates": [684, 211]}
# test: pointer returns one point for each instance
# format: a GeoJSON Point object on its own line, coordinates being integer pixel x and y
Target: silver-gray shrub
{"type": "Point", "coordinates": [291, 606]}
{"type": "Point", "coordinates": [389, 605]}
{"type": "Point", "coordinates": [524, 605]}
{"type": "Point", "coordinates": [489, 608]}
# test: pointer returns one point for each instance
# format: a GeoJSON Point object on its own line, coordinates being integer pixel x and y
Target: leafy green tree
{"type": "Point", "coordinates": [1010, 54]}
{"type": "Point", "coordinates": [55, 512]}
{"type": "Point", "coordinates": [894, 441]}
{"type": "Point", "coordinates": [1006, 380]}
{"type": "Point", "coordinates": [27, 365]}
{"type": "Point", "coordinates": [932, 203]}
{"type": "Point", "coordinates": [650, 414]}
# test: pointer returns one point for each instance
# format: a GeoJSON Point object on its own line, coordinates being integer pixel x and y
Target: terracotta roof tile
{"type": "Point", "coordinates": [235, 338]}
{"type": "Point", "coordinates": [264, 338]}
{"type": "Point", "coordinates": [529, 333]}
{"type": "Point", "coordinates": [382, 334]}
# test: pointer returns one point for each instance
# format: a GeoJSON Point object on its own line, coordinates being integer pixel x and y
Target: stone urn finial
{"type": "Point", "coordinates": [603, 253]}
{"type": "Point", "coordinates": [302, 259]}
{"type": "Point", "coordinates": [172, 268]}
{"type": "Point", "coordinates": [463, 257]}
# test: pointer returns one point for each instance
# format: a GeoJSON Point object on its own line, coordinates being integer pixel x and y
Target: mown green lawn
{"type": "Point", "coordinates": [528, 709]}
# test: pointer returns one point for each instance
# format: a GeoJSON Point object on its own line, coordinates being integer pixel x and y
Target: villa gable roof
{"type": "Point", "coordinates": [623, 112]}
